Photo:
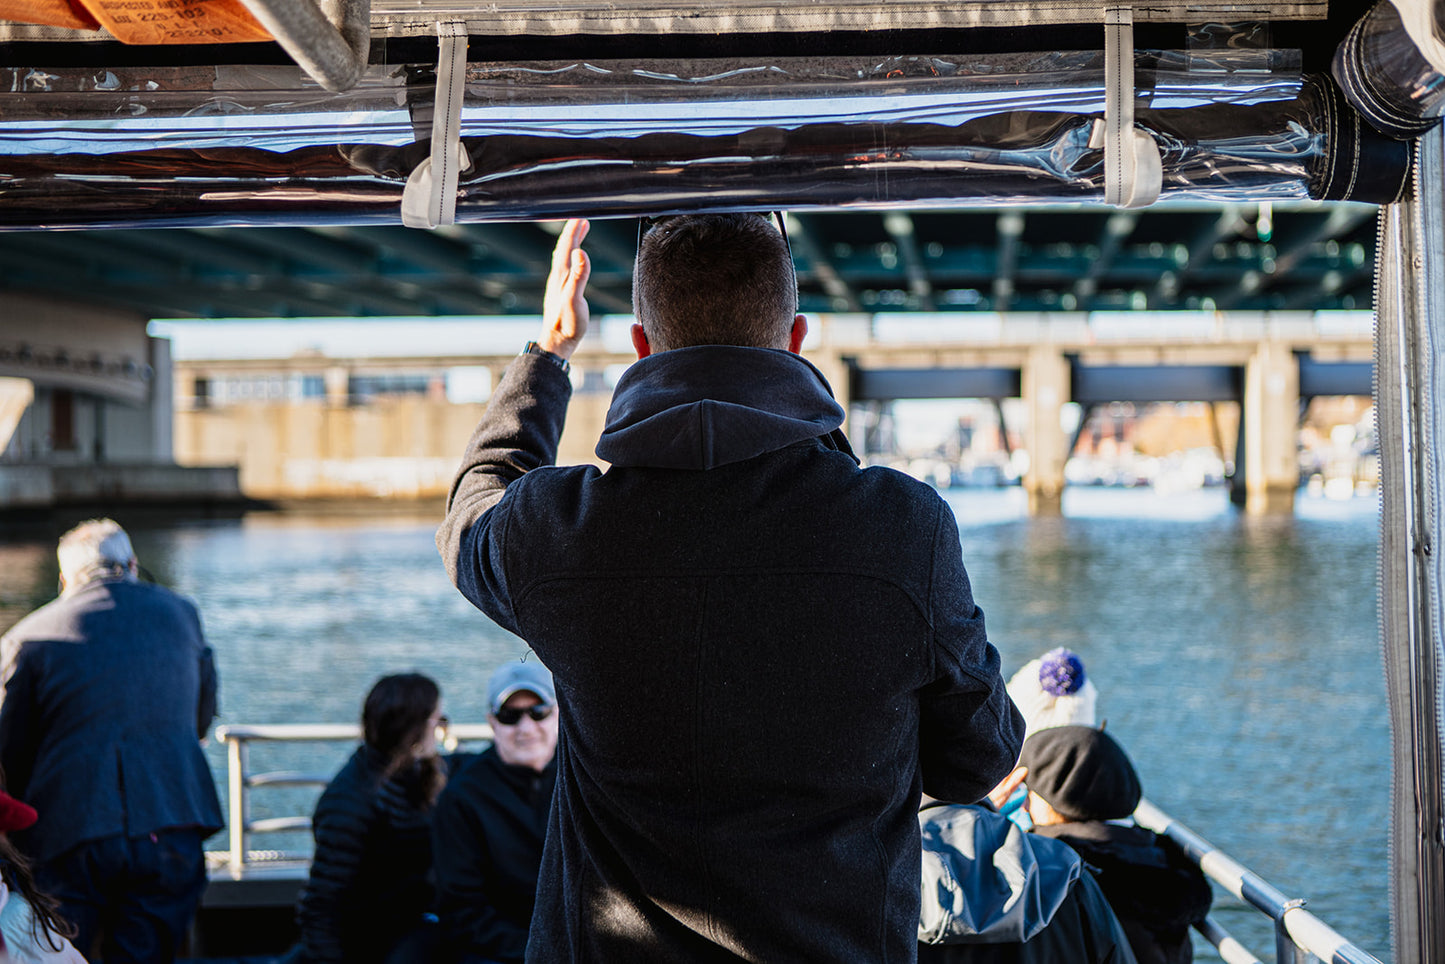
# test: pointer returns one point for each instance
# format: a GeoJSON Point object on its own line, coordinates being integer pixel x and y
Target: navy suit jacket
{"type": "Point", "coordinates": [107, 693]}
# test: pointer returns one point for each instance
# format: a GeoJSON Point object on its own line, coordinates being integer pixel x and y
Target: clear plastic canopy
{"type": "Point", "coordinates": [235, 145]}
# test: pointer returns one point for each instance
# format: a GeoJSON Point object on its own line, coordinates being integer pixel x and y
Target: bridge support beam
{"type": "Point", "coordinates": [835, 369]}
{"type": "Point", "coordinates": [16, 394]}
{"type": "Point", "coordinates": [1046, 389]}
{"type": "Point", "coordinates": [1270, 415]}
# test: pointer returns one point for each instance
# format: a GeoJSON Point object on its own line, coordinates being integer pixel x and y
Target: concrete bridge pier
{"type": "Point", "coordinates": [1046, 388]}
{"type": "Point", "coordinates": [16, 394]}
{"type": "Point", "coordinates": [835, 369]}
{"type": "Point", "coordinates": [1268, 423]}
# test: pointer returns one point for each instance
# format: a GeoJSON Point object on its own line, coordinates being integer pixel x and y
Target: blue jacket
{"type": "Point", "coordinates": [762, 652]}
{"type": "Point", "coordinates": [108, 691]}
{"type": "Point", "coordinates": [993, 894]}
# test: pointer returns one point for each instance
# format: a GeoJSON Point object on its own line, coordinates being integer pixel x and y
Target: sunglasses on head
{"type": "Point", "coordinates": [511, 715]}
{"type": "Point", "coordinates": [646, 224]}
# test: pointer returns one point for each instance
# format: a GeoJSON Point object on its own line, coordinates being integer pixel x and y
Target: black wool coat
{"type": "Point", "coordinates": [763, 654]}
{"type": "Point", "coordinates": [487, 834]}
{"type": "Point", "coordinates": [1156, 891]}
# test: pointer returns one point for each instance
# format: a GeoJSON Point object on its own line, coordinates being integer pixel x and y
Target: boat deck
{"type": "Point", "coordinates": [248, 916]}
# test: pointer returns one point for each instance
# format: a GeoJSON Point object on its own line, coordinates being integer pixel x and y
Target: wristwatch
{"type": "Point", "coordinates": [535, 349]}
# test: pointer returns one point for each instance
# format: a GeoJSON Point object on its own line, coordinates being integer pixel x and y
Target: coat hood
{"type": "Point", "coordinates": [986, 881]}
{"type": "Point", "coordinates": [711, 405]}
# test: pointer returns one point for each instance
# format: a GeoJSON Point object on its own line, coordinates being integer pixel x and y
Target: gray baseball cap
{"type": "Point", "coordinates": [516, 676]}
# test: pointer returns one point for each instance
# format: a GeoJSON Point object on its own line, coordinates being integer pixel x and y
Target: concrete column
{"type": "Point", "coordinates": [586, 417]}
{"type": "Point", "coordinates": [834, 369]}
{"type": "Point", "coordinates": [831, 338]}
{"type": "Point", "coordinates": [338, 386]}
{"type": "Point", "coordinates": [1046, 388]}
{"type": "Point", "coordinates": [1269, 420]}
{"type": "Point", "coordinates": [162, 402]}
{"type": "Point", "coordinates": [16, 394]}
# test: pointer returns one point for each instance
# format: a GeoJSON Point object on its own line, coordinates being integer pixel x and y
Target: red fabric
{"type": "Point", "coordinates": [15, 815]}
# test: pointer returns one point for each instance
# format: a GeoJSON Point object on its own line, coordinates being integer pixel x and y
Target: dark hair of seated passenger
{"type": "Point", "coordinates": [45, 919]}
{"type": "Point", "coordinates": [394, 722]}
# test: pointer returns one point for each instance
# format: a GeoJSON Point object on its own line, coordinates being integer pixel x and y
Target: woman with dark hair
{"type": "Point", "coordinates": [30, 923]}
{"type": "Point", "coordinates": [369, 893]}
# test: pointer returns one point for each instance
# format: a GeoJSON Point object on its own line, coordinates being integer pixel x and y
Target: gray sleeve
{"type": "Point", "coordinates": [518, 432]}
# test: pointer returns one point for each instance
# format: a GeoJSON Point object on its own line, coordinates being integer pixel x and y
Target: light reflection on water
{"type": "Point", "coordinates": [1237, 659]}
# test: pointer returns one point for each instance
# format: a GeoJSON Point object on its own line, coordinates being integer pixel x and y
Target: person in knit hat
{"type": "Point", "coordinates": [30, 924]}
{"type": "Point", "coordinates": [1054, 690]}
{"type": "Point", "coordinates": [1083, 789]}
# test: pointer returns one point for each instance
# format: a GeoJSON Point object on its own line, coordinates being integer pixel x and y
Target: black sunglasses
{"type": "Point", "coordinates": [511, 715]}
{"type": "Point", "coordinates": [646, 224]}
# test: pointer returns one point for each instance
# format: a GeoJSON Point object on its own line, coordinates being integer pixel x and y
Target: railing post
{"type": "Point", "coordinates": [1286, 951]}
{"type": "Point", "coordinates": [236, 787]}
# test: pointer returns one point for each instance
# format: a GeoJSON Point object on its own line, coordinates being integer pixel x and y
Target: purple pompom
{"type": "Point", "coordinates": [1061, 672]}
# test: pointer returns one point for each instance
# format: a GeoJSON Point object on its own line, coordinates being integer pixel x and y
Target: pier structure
{"type": "Point", "coordinates": [86, 410]}
{"type": "Point", "coordinates": [85, 413]}
{"type": "Point", "coordinates": [1269, 364]}
{"type": "Point", "coordinates": [315, 426]}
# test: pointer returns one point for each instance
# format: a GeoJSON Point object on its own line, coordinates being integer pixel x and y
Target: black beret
{"type": "Point", "coordinates": [1081, 772]}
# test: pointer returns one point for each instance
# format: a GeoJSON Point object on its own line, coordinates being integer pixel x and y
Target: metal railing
{"type": "Point", "coordinates": [240, 780]}
{"type": "Point", "coordinates": [1300, 937]}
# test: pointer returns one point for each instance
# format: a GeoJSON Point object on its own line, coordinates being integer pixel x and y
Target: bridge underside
{"type": "Point", "coordinates": [1178, 257]}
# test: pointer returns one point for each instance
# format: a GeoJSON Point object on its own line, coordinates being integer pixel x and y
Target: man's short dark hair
{"type": "Point", "coordinates": [715, 279]}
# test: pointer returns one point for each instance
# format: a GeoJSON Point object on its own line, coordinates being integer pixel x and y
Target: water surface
{"type": "Point", "coordinates": [1237, 659]}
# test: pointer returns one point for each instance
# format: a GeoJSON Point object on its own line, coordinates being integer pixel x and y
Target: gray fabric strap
{"type": "Point", "coordinates": [1133, 170]}
{"type": "Point", "coordinates": [430, 196]}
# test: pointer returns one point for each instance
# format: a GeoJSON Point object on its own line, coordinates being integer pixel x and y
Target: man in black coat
{"type": "Point", "coordinates": [491, 821]}
{"type": "Point", "coordinates": [108, 691]}
{"type": "Point", "coordinates": [763, 653]}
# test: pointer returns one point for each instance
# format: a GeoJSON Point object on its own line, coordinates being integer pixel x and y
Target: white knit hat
{"type": "Point", "coordinates": [1054, 690]}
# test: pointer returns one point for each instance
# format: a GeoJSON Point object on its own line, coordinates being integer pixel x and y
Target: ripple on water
{"type": "Point", "coordinates": [1237, 659]}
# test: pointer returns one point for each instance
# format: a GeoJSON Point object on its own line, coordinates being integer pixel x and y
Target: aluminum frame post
{"type": "Point", "coordinates": [1410, 411]}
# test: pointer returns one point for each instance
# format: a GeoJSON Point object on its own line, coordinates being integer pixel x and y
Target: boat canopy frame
{"type": "Point", "coordinates": [1410, 410]}
{"type": "Point", "coordinates": [1403, 101]}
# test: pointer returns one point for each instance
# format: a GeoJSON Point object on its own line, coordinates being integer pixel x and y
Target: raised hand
{"type": "Point", "coordinates": [564, 306]}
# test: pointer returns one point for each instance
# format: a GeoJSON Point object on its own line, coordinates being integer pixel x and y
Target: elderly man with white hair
{"type": "Point", "coordinates": [108, 690]}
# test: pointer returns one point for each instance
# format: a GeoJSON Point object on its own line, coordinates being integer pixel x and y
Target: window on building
{"type": "Point", "coordinates": [62, 420]}
{"type": "Point", "coordinates": [363, 387]}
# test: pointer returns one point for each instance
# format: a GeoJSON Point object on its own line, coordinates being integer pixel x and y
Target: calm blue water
{"type": "Point", "coordinates": [1237, 659]}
